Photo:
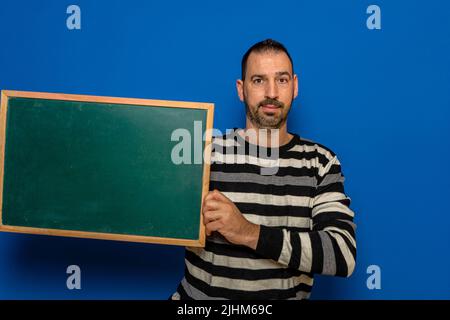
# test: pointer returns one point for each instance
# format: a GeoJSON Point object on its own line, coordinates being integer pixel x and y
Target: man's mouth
{"type": "Point", "coordinates": [269, 107]}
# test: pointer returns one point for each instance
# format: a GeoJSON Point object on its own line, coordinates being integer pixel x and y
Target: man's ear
{"type": "Point", "coordinates": [240, 89]}
{"type": "Point", "coordinates": [295, 86]}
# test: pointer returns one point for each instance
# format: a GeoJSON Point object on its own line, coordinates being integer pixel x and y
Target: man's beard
{"type": "Point", "coordinates": [264, 121]}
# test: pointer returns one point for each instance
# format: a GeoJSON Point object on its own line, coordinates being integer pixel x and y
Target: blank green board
{"type": "Point", "coordinates": [100, 167]}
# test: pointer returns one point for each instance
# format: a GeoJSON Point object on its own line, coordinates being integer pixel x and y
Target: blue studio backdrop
{"type": "Point", "coordinates": [374, 87]}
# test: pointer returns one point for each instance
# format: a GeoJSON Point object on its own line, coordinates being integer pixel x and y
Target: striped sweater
{"type": "Point", "coordinates": [306, 224]}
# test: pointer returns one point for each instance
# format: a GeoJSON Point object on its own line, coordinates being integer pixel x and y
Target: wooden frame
{"type": "Point", "coordinates": [209, 107]}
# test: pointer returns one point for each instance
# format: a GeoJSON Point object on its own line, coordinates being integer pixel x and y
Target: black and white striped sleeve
{"type": "Point", "coordinates": [330, 247]}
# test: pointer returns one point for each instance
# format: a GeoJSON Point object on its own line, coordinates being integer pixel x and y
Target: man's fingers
{"type": "Point", "coordinates": [213, 226]}
{"type": "Point", "coordinates": [217, 195]}
{"type": "Point", "coordinates": [210, 205]}
{"type": "Point", "coordinates": [209, 196]}
{"type": "Point", "coordinates": [211, 216]}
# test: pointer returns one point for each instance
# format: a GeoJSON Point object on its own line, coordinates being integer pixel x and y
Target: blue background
{"type": "Point", "coordinates": [379, 98]}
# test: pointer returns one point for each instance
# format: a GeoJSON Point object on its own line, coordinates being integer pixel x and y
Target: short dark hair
{"type": "Point", "coordinates": [264, 46]}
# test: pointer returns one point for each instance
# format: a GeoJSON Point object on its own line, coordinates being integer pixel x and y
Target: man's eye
{"type": "Point", "coordinates": [257, 81]}
{"type": "Point", "coordinates": [283, 80]}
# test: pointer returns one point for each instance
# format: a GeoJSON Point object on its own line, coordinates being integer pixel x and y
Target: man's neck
{"type": "Point", "coordinates": [267, 137]}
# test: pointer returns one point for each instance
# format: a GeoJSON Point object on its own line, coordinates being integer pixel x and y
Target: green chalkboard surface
{"type": "Point", "coordinates": [101, 167]}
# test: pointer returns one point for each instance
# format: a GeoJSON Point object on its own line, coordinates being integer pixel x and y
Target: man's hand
{"type": "Point", "coordinates": [221, 214]}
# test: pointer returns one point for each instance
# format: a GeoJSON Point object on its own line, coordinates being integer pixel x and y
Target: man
{"type": "Point", "coordinates": [268, 234]}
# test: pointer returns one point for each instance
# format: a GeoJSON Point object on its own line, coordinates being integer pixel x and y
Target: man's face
{"type": "Point", "coordinates": [268, 89]}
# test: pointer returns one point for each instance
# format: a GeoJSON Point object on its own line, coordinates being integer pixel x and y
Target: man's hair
{"type": "Point", "coordinates": [264, 46]}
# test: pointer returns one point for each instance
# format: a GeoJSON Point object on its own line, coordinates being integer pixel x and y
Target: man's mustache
{"type": "Point", "coordinates": [271, 101]}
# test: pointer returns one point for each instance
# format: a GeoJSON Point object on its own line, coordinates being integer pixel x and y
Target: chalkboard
{"type": "Point", "coordinates": [102, 167]}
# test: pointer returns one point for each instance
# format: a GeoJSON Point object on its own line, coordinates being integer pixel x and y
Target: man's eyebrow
{"type": "Point", "coordinates": [257, 76]}
{"type": "Point", "coordinates": [283, 73]}
{"type": "Point", "coordinates": [279, 73]}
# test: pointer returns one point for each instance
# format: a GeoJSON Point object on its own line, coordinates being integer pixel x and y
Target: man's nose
{"type": "Point", "coordinates": [271, 90]}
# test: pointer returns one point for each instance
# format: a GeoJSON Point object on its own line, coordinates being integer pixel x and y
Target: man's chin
{"type": "Point", "coordinates": [265, 121]}
{"type": "Point", "coordinates": [269, 124]}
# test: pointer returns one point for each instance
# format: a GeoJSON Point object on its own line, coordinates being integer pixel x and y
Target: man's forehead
{"type": "Point", "coordinates": [268, 62]}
